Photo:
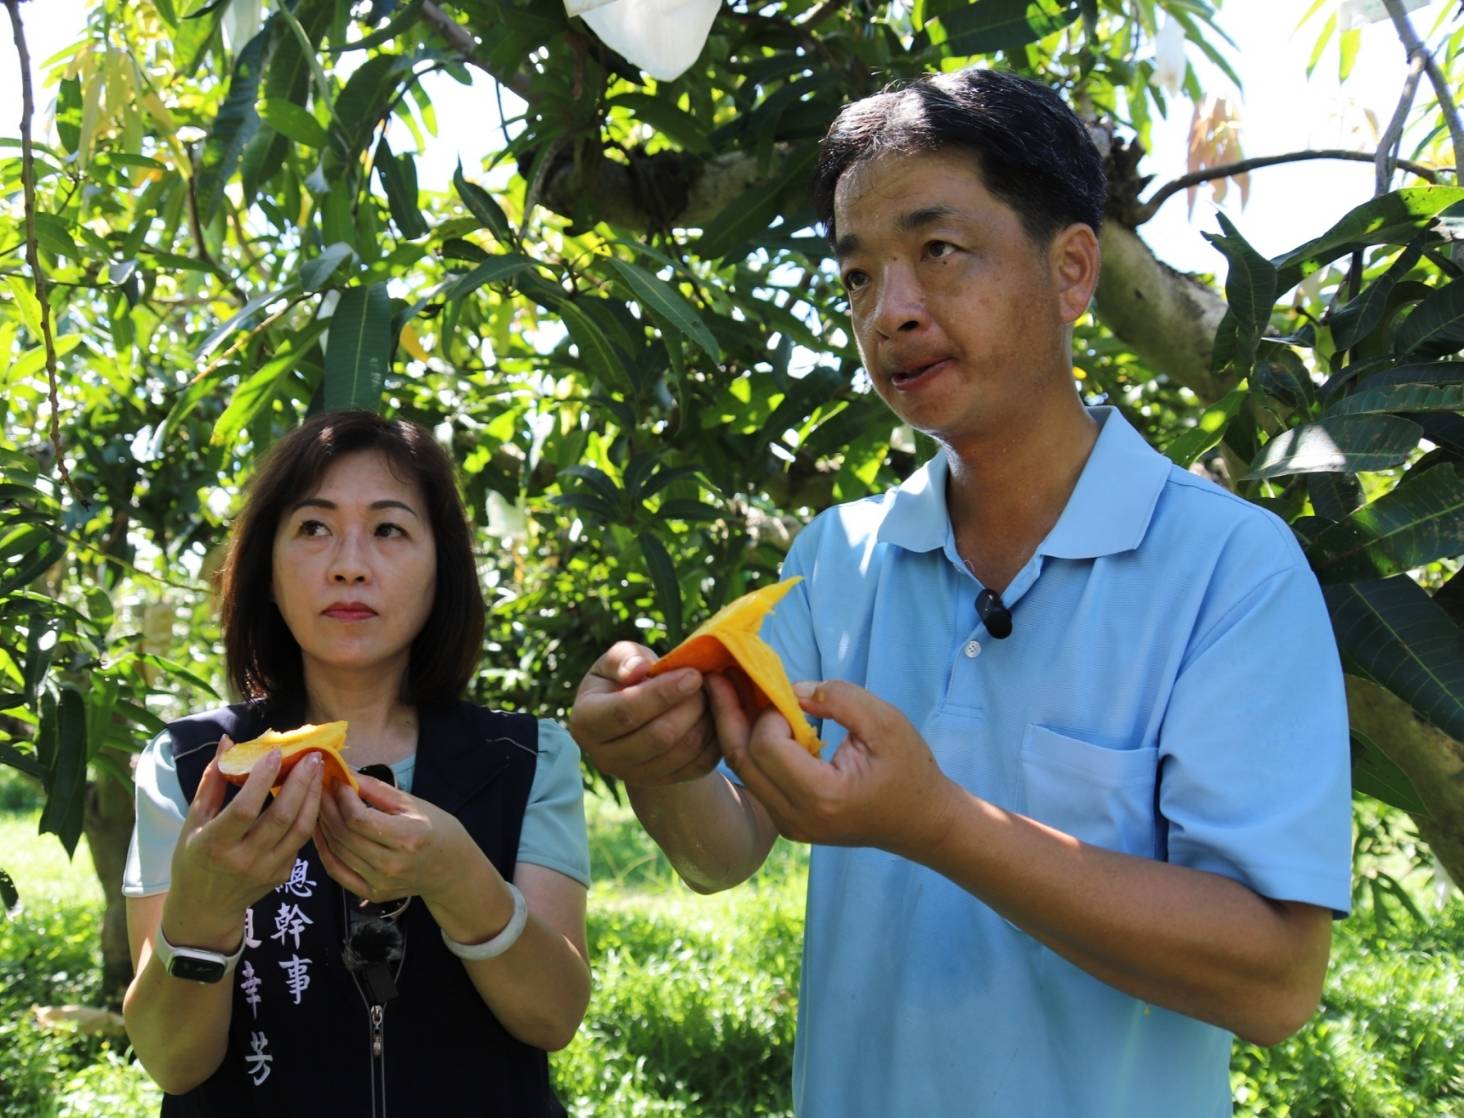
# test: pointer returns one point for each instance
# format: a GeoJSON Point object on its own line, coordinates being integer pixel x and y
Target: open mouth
{"type": "Point", "coordinates": [905, 378]}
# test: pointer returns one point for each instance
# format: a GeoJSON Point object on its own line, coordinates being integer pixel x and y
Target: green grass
{"type": "Point", "coordinates": [694, 1003]}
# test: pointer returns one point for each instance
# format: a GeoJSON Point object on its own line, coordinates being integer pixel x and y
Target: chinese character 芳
{"type": "Point", "coordinates": [258, 1060]}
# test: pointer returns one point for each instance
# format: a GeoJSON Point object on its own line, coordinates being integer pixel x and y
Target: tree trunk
{"type": "Point", "coordinates": [1431, 759]}
{"type": "Point", "coordinates": [108, 828]}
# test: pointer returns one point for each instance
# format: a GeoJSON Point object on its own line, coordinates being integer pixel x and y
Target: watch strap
{"type": "Point", "coordinates": [175, 958]}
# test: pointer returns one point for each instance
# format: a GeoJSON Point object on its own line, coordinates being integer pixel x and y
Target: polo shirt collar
{"type": "Point", "coordinates": [1108, 512]}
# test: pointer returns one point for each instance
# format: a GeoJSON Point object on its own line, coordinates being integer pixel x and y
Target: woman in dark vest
{"type": "Point", "coordinates": [414, 948]}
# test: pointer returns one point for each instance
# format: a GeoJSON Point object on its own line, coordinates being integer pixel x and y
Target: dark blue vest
{"type": "Point", "coordinates": [300, 1034]}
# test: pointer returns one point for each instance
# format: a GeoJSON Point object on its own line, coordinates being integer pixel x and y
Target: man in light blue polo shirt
{"type": "Point", "coordinates": [1082, 811]}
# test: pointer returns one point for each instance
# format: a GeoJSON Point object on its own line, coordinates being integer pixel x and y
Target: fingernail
{"type": "Point", "coordinates": [806, 690]}
{"type": "Point", "coordinates": [631, 666]}
{"type": "Point", "coordinates": [688, 682]}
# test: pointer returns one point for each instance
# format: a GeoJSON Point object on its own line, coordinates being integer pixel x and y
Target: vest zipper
{"type": "Point", "coordinates": [378, 1061]}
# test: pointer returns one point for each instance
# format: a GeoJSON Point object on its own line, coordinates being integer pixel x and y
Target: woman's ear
{"type": "Point", "coordinates": [1074, 258]}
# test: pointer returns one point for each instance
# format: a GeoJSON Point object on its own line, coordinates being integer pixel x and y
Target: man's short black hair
{"type": "Point", "coordinates": [1034, 153]}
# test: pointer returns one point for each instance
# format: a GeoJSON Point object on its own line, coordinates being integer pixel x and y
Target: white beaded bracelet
{"type": "Point", "coordinates": [500, 943]}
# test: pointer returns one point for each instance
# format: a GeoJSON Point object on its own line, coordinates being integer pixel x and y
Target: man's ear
{"type": "Point", "coordinates": [1074, 259]}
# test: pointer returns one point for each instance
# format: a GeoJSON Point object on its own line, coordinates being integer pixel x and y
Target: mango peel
{"type": "Point", "coordinates": [727, 642]}
{"type": "Point", "coordinates": [328, 739]}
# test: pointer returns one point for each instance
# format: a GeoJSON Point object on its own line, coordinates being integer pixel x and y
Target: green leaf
{"type": "Point", "coordinates": [1207, 432]}
{"type": "Point", "coordinates": [234, 127]}
{"type": "Point", "coordinates": [496, 269]}
{"type": "Point", "coordinates": [993, 25]}
{"type": "Point", "coordinates": [398, 176]}
{"type": "Point", "coordinates": [1419, 521]}
{"type": "Point", "coordinates": [362, 104]}
{"type": "Point", "coordinates": [315, 272]}
{"type": "Point", "coordinates": [1375, 774]}
{"type": "Point", "coordinates": [482, 206]}
{"type": "Point", "coordinates": [1435, 328]}
{"type": "Point", "coordinates": [663, 581]}
{"type": "Point", "coordinates": [259, 389]}
{"type": "Point", "coordinates": [599, 356]}
{"type": "Point", "coordinates": [665, 117]}
{"type": "Point", "coordinates": [290, 119]}
{"type": "Point", "coordinates": [405, 18]}
{"type": "Point", "coordinates": [1393, 633]}
{"type": "Point", "coordinates": [666, 304]}
{"type": "Point", "coordinates": [1401, 399]}
{"type": "Point", "coordinates": [31, 564]}
{"type": "Point", "coordinates": [1250, 292]}
{"type": "Point", "coordinates": [598, 480]}
{"type": "Point", "coordinates": [241, 318]}
{"type": "Point", "coordinates": [359, 349]}
{"type": "Point", "coordinates": [66, 781]}
{"type": "Point", "coordinates": [1360, 316]}
{"type": "Point", "coordinates": [1338, 444]}
{"type": "Point", "coordinates": [1392, 219]}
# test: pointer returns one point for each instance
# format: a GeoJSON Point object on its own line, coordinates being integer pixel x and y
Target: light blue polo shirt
{"type": "Point", "coordinates": [1170, 689]}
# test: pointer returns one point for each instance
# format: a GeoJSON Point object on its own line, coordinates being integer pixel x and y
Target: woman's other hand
{"type": "Point", "coordinates": [384, 843]}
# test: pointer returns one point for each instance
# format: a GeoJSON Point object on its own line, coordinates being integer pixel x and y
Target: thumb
{"type": "Point", "coordinates": [862, 713]}
{"type": "Point", "coordinates": [209, 796]}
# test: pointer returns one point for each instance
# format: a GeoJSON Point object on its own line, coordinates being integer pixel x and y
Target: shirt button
{"type": "Point", "coordinates": [973, 649]}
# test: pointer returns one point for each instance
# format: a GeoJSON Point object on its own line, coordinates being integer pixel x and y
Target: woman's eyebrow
{"type": "Point", "coordinates": [322, 503]}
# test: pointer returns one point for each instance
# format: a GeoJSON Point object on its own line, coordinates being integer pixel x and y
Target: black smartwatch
{"type": "Point", "coordinates": [196, 964]}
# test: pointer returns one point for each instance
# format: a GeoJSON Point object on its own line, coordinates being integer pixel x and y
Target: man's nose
{"type": "Point", "coordinates": [901, 305]}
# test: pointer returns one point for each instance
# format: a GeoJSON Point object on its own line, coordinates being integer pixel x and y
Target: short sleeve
{"type": "Point", "coordinates": [1255, 773]}
{"type": "Point", "coordinates": [553, 833]}
{"type": "Point", "coordinates": [161, 808]}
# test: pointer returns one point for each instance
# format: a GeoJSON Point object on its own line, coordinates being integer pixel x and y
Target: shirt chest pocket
{"type": "Point", "coordinates": [1100, 795]}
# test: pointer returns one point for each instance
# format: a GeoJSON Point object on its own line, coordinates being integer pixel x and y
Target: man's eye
{"type": "Point", "coordinates": [853, 281]}
{"type": "Point", "coordinates": [937, 249]}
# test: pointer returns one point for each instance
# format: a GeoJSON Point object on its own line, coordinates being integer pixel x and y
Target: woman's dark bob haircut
{"type": "Point", "coordinates": [263, 658]}
{"type": "Point", "coordinates": [1034, 153]}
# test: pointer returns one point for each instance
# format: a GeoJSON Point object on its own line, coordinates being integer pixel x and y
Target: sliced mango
{"type": "Point", "coordinates": [728, 642]}
{"type": "Point", "coordinates": [328, 739]}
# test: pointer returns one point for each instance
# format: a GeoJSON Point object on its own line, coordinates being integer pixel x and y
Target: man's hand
{"type": "Point", "coordinates": [639, 730]}
{"type": "Point", "coordinates": [882, 787]}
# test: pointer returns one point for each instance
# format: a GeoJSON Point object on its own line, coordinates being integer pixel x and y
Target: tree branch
{"type": "Point", "coordinates": [1415, 48]}
{"type": "Point", "coordinates": [1148, 208]}
{"type": "Point", "coordinates": [32, 246]}
{"type": "Point", "coordinates": [461, 40]}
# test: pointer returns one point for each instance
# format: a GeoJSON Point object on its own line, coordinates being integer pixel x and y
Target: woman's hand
{"type": "Point", "coordinates": [383, 843]}
{"type": "Point", "coordinates": [227, 857]}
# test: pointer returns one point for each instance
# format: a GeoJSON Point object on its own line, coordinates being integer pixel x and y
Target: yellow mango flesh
{"type": "Point", "coordinates": [728, 642]}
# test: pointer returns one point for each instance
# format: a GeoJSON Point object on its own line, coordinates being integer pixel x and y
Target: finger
{"type": "Point", "coordinates": [606, 714]}
{"type": "Point", "coordinates": [382, 796]}
{"type": "Point", "coordinates": [732, 724]}
{"type": "Point", "coordinates": [624, 662]}
{"type": "Point", "coordinates": [858, 710]}
{"type": "Point", "coordinates": [305, 818]}
{"type": "Point", "coordinates": [271, 826]}
{"type": "Point", "coordinates": [797, 774]}
{"type": "Point", "coordinates": [354, 827]}
{"type": "Point", "coordinates": [236, 820]}
{"type": "Point", "coordinates": [209, 797]}
{"type": "Point", "coordinates": [337, 868]}
{"type": "Point", "coordinates": [763, 779]}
